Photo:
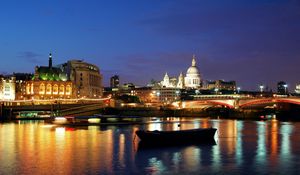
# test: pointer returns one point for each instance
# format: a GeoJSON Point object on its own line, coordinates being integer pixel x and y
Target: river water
{"type": "Point", "coordinates": [242, 147]}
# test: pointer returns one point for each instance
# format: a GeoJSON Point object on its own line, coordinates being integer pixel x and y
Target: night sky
{"type": "Point", "coordinates": [253, 42]}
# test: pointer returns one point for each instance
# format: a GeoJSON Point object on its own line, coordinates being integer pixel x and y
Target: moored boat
{"type": "Point", "coordinates": [201, 135]}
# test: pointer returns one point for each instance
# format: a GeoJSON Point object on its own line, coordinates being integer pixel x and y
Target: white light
{"type": "Point", "coordinates": [94, 120]}
{"type": "Point", "coordinates": [60, 120]}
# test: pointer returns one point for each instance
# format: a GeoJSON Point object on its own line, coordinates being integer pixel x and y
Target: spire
{"type": "Point", "coordinates": [180, 82]}
{"type": "Point", "coordinates": [194, 60]}
{"type": "Point", "coordinates": [50, 60]}
{"type": "Point", "coordinates": [166, 75]}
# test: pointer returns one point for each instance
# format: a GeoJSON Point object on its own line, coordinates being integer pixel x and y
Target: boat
{"type": "Point", "coordinates": [201, 135]}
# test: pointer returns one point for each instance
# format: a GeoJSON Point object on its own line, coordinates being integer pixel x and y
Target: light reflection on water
{"type": "Point", "coordinates": [243, 147]}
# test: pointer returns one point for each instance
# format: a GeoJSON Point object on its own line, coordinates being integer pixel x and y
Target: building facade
{"type": "Point", "coordinates": [86, 78]}
{"type": "Point", "coordinates": [192, 79]}
{"type": "Point", "coordinates": [49, 82]}
{"type": "Point", "coordinates": [114, 81]}
{"type": "Point", "coordinates": [282, 88]}
{"type": "Point", "coordinates": [166, 95]}
{"type": "Point", "coordinates": [220, 85]}
{"type": "Point", "coordinates": [21, 79]}
{"type": "Point", "coordinates": [8, 88]}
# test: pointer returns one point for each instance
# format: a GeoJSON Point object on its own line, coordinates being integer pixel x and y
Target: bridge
{"type": "Point", "coordinates": [237, 102]}
{"type": "Point", "coordinates": [10, 109]}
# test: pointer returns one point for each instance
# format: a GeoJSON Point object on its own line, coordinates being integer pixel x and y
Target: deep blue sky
{"type": "Point", "coordinates": [252, 42]}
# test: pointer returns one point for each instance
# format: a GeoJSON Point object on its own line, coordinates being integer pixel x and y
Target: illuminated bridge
{"type": "Point", "coordinates": [58, 106]}
{"type": "Point", "coordinates": [236, 102]}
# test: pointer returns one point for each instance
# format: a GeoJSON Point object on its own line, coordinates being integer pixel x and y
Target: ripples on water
{"type": "Point", "coordinates": [243, 147]}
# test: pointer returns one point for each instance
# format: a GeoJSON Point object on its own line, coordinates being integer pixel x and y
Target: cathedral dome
{"type": "Point", "coordinates": [192, 78]}
{"type": "Point", "coordinates": [192, 70]}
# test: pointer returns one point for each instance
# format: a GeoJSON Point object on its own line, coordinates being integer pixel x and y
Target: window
{"type": "Point", "coordinates": [55, 89]}
{"type": "Point", "coordinates": [49, 89]}
{"type": "Point", "coordinates": [42, 88]}
{"type": "Point", "coordinates": [61, 90]}
{"type": "Point", "coordinates": [68, 90]}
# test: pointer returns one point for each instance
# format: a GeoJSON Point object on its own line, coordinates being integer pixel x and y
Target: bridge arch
{"type": "Point", "coordinates": [270, 100]}
{"type": "Point", "coordinates": [198, 103]}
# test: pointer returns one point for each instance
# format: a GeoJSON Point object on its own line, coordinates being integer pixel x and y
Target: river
{"type": "Point", "coordinates": [242, 147]}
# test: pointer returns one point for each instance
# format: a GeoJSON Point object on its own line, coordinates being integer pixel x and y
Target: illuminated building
{"type": "Point", "coordinates": [86, 77]}
{"type": "Point", "coordinates": [297, 90]}
{"type": "Point", "coordinates": [282, 87]}
{"type": "Point", "coordinates": [8, 88]}
{"type": "Point", "coordinates": [114, 81]}
{"type": "Point", "coordinates": [21, 79]}
{"type": "Point", "coordinates": [221, 85]}
{"type": "Point", "coordinates": [49, 82]}
{"type": "Point", "coordinates": [191, 80]}
{"type": "Point", "coordinates": [145, 94]}
{"type": "Point", "coordinates": [167, 95]}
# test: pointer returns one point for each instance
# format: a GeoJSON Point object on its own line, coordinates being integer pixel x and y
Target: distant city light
{"type": "Point", "coordinates": [261, 87]}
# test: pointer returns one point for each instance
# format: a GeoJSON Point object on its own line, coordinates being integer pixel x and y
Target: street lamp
{"type": "Point", "coordinates": [216, 90]}
{"type": "Point", "coordinates": [261, 87]}
{"type": "Point", "coordinates": [238, 89]}
{"type": "Point", "coordinates": [285, 88]}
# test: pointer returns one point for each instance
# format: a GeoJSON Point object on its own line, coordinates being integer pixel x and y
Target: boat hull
{"type": "Point", "coordinates": [175, 137]}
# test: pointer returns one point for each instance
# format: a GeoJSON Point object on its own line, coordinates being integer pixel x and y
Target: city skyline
{"type": "Point", "coordinates": [252, 43]}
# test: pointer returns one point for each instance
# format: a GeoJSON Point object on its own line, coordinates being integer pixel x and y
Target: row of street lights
{"type": "Point", "coordinates": [261, 87]}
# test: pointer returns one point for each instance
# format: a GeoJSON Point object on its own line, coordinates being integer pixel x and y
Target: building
{"type": "Point", "coordinates": [114, 81]}
{"type": "Point", "coordinates": [192, 79]}
{"type": "Point", "coordinates": [167, 95]}
{"type": "Point", "coordinates": [297, 90]}
{"type": "Point", "coordinates": [221, 85]}
{"type": "Point", "coordinates": [49, 82]}
{"type": "Point", "coordinates": [21, 79]}
{"type": "Point", "coordinates": [282, 88]}
{"type": "Point", "coordinates": [146, 94]}
{"type": "Point", "coordinates": [169, 82]}
{"type": "Point", "coordinates": [8, 88]}
{"type": "Point", "coordinates": [86, 78]}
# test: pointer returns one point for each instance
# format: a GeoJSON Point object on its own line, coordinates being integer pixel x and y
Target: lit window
{"type": "Point", "coordinates": [49, 89]}
{"type": "Point", "coordinates": [68, 90]}
{"type": "Point", "coordinates": [42, 88]}
{"type": "Point", "coordinates": [55, 89]}
{"type": "Point", "coordinates": [62, 90]}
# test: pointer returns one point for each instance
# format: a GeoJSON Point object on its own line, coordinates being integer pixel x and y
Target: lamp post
{"type": "Point", "coordinates": [285, 88]}
{"type": "Point", "coordinates": [261, 87]}
{"type": "Point", "coordinates": [238, 89]}
{"type": "Point", "coordinates": [216, 90]}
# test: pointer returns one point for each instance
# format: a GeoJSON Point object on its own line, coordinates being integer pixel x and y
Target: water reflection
{"type": "Point", "coordinates": [242, 146]}
{"type": "Point", "coordinates": [176, 159]}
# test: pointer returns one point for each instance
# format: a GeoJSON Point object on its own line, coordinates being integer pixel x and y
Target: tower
{"type": "Point", "coordinates": [180, 83]}
{"type": "Point", "coordinates": [166, 81]}
{"type": "Point", "coordinates": [50, 61]}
